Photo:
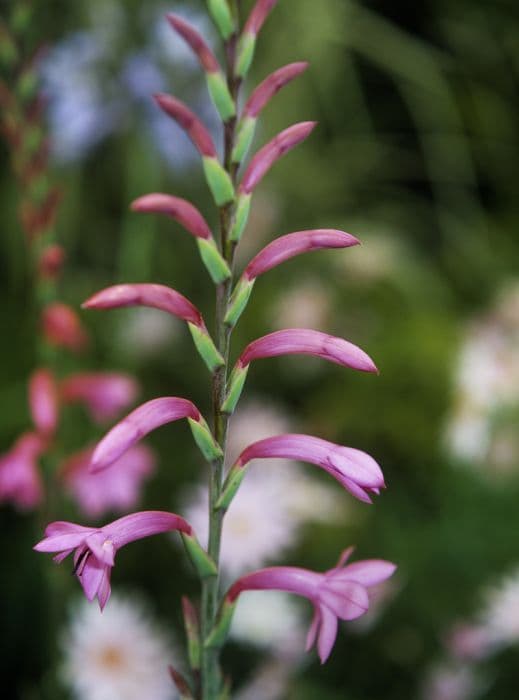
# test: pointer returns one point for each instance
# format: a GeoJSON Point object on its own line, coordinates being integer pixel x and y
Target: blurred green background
{"type": "Point", "coordinates": [417, 154]}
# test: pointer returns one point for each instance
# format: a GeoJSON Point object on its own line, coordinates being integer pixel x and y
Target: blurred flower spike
{"type": "Point", "coordinates": [95, 548]}
{"type": "Point", "coordinates": [20, 481]}
{"type": "Point", "coordinates": [338, 594]}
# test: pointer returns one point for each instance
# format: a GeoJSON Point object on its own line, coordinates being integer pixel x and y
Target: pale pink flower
{"type": "Point", "coordinates": [43, 401]}
{"type": "Point", "coordinates": [20, 480]}
{"type": "Point", "coordinates": [115, 489]}
{"type": "Point", "coordinates": [105, 394]}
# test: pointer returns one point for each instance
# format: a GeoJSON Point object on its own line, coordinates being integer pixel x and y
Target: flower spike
{"type": "Point", "coordinates": [95, 548]}
{"type": "Point", "coordinates": [355, 470]}
{"type": "Point", "coordinates": [189, 217]}
{"type": "Point", "coordinates": [295, 341]}
{"type": "Point", "coordinates": [217, 177]}
{"type": "Point", "coordinates": [340, 593]}
{"type": "Point", "coordinates": [247, 43]}
{"type": "Point", "coordinates": [264, 159]}
{"type": "Point", "coordinates": [256, 103]}
{"type": "Point", "coordinates": [216, 81]}
{"type": "Point", "coordinates": [277, 252]}
{"type": "Point", "coordinates": [159, 296]}
{"type": "Point", "coordinates": [148, 417]}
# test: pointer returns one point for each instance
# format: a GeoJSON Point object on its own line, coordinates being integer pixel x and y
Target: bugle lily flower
{"type": "Point", "coordinates": [105, 394]}
{"type": "Point", "coordinates": [20, 480]}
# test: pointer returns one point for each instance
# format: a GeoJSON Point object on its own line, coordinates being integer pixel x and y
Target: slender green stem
{"type": "Point", "coordinates": [211, 675]}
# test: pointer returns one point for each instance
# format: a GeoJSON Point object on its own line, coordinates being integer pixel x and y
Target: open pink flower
{"type": "Point", "coordinates": [338, 594]}
{"type": "Point", "coordinates": [138, 424]}
{"type": "Point", "coordinates": [20, 480]}
{"type": "Point", "coordinates": [303, 341]}
{"type": "Point", "coordinates": [43, 401]}
{"type": "Point", "coordinates": [353, 469]}
{"type": "Point", "coordinates": [179, 209]}
{"type": "Point", "coordinates": [265, 158]}
{"type": "Point", "coordinates": [189, 122]}
{"type": "Point", "coordinates": [157, 296]}
{"type": "Point", "coordinates": [114, 489]}
{"type": "Point", "coordinates": [62, 327]}
{"type": "Point", "coordinates": [105, 394]}
{"type": "Point", "coordinates": [95, 548]}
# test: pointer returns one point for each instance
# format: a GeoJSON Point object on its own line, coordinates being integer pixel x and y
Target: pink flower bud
{"type": "Point", "coordinates": [273, 151]}
{"type": "Point", "coordinates": [51, 261]}
{"type": "Point", "coordinates": [179, 209]}
{"type": "Point", "coordinates": [157, 296]}
{"type": "Point", "coordinates": [293, 244]}
{"type": "Point", "coordinates": [303, 341]}
{"type": "Point", "coordinates": [105, 394]}
{"type": "Point", "coordinates": [43, 401]}
{"type": "Point", "coordinates": [192, 37]}
{"type": "Point", "coordinates": [270, 86]}
{"type": "Point", "coordinates": [258, 15]}
{"type": "Point", "coordinates": [62, 327]}
{"type": "Point", "coordinates": [189, 122]}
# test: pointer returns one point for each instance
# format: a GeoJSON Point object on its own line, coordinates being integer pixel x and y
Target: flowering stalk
{"type": "Point", "coordinates": [340, 593]}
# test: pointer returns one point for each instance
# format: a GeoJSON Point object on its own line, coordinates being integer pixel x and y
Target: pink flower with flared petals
{"type": "Point", "coordinates": [265, 158]}
{"type": "Point", "coordinates": [115, 489]}
{"type": "Point", "coordinates": [95, 548]}
{"type": "Point", "coordinates": [62, 327]}
{"type": "Point", "coordinates": [157, 296]}
{"type": "Point", "coordinates": [270, 86]}
{"type": "Point", "coordinates": [338, 594]}
{"type": "Point", "coordinates": [179, 209]}
{"type": "Point", "coordinates": [189, 122]}
{"type": "Point", "coordinates": [139, 423]}
{"type": "Point", "coordinates": [353, 469]}
{"type": "Point", "coordinates": [105, 394]}
{"type": "Point", "coordinates": [258, 15]}
{"type": "Point", "coordinates": [196, 42]}
{"type": "Point", "coordinates": [286, 247]}
{"type": "Point", "coordinates": [43, 401]}
{"type": "Point", "coordinates": [304, 341]}
{"type": "Point", "coordinates": [20, 480]}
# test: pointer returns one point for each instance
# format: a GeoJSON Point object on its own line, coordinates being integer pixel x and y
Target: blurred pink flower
{"type": "Point", "coordinates": [62, 327]}
{"type": "Point", "coordinates": [95, 548]}
{"type": "Point", "coordinates": [105, 394]}
{"type": "Point", "coordinates": [43, 401]}
{"type": "Point", "coordinates": [20, 481]}
{"type": "Point", "coordinates": [114, 489]}
{"type": "Point", "coordinates": [340, 593]}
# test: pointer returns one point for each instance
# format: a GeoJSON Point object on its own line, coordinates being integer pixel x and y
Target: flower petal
{"type": "Point", "coordinates": [179, 209]}
{"type": "Point", "coordinates": [196, 42]}
{"type": "Point", "coordinates": [327, 633]}
{"type": "Point", "coordinates": [369, 572]}
{"type": "Point", "coordinates": [189, 122]}
{"type": "Point", "coordinates": [270, 86]}
{"type": "Point", "coordinates": [136, 526]}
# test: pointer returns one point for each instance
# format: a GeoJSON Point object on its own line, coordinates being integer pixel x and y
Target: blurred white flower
{"type": "Point", "coordinates": [499, 615]}
{"type": "Point", "coordinates": [117, 654]}
{"type": "Point", "coordinates": [144, 333]}
{"type": "Point", "coordinates": [480, 429]}
{"type": "Point", "coordinates": [274, 501]}
{"type": "Point", "coordinates": [305, 305]}
{"type": "Point", "coordinates": [451, 682]}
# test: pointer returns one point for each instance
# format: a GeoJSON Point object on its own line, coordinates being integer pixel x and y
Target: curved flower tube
{"type": "Point", "coordinates": [95, 548]}
{"type": "Point", "coordinates": [20, 480]}
{"type": "Point", "coordinates": [261, 162]}
{"type": "Point", "coordinates": [295, 341]}
{"type": "Point", "coordinates": [178, 209]}
{"type": "Point", "coordinates": [253, 25]}
{"type": "Point", "coordinates": [216, 81]}
{"type": "Point", "coordinates": [258, 101]}
{"type": "Point", "coordinates": [277, 252]}
{"type": "Point", "coordinates": [105, 394]}
{"type": "Point", "coordinates": [148, 417]}
{"type": "Point", "coordinates": [355, 470]}
{"type": "Point", "coordinates": [338, 594]}
{"type": "Point", "coordinates": [159, 296]}
{"type": "Point", "coordinates": [43, 401]}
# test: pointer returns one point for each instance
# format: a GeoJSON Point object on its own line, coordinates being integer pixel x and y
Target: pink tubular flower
{"type": "Point", "coordinates": [293, 244]}
{"type": "Point", "coordinates": [189, 122]}
{"type": "Point", "coordinates": [105, 394]}
{"type": "Point", "coordinates": [270, 86]}
{"type": "Point", "coordinates": [340, 593]}
{"type": "Point", "coordinates": [269, 154]}
{"type": "Point", "coordinates": [353, 469]}
{"type": "Point", "coordinates": [303, 341]}
{"type": "Point", "coordinates": [258, 15]}
{"type": "Point", "coordinates": [62, 327]}
{"type": "Point", "coordinates": [179, 209]}
{"type": "Point", "coordinates": [95, 548]}
{"type": "Point", "coordinates": [139, 423]}
{"type": "Point", "coordinates": [20, 481]}
{"type": "Point", "coordinates": [43, 402]}
{"type": "Point", "coordinates": [157, 296]}
{"type": "Point", "coordinates": [192, 37]}
{"type": "Point", "coordinates": [114, 489]}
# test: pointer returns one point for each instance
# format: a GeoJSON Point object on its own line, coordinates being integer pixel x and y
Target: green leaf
{"type": "Point", "coordinates": [213, 260]}
{"type": "Point", "coordinates": [236, 382]}
{"type": "Point", "coordinates": [220, 95]}
{"type": "Point", "coordinates": [219, 181]}
{"type": "Point", "coordinates": [205, 440]}
{"type": "Point", "coordinates": [222, 16]}
{"type": "Point", "coordinates": [241, 217]}
{"type": "Point", "coordinates": [246, 47]}
{"type": "Point", "coordinates": [202, 562]}
{"type": "Point", "coordinates": [244, 136]}
{"type": "Point", "coordinates": [231, 486]}
{"type": "Point", "coordinates": [238, 301]}
{"type": "Point", "coordinates": [206, 348]}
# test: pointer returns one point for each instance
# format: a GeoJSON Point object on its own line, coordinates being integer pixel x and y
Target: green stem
{"type": "Point", "coordinates": [210, 671]}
